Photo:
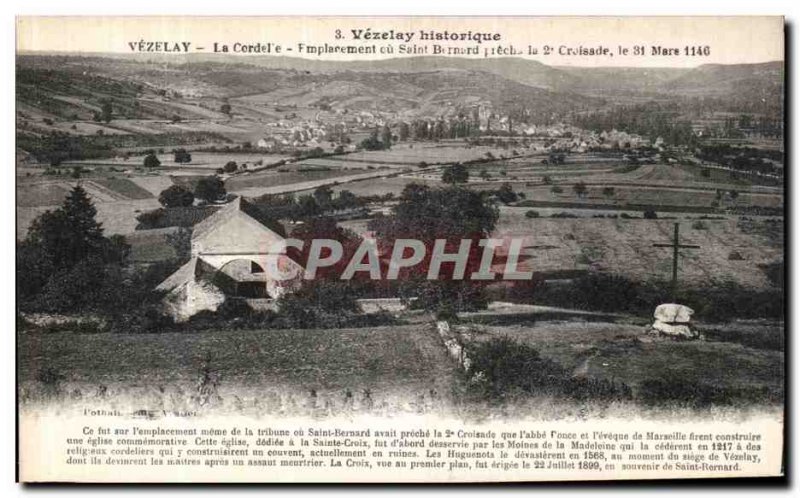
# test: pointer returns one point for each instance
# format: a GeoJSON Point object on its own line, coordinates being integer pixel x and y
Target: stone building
{"type": "Point", "coordinates": [231, 252]}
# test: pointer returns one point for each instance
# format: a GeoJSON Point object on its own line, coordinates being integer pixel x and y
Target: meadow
{"type": "Point", "coordinates": [258, 371]}
{"type": "Point", "coordinates": [388, 371]}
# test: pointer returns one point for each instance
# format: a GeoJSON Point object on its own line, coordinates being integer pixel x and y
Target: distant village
{"type": "Point", "coordinates": [340, 127]}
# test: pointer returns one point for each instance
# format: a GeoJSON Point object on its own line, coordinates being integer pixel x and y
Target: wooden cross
{"type": "Point", "coordinates": [675, 245]}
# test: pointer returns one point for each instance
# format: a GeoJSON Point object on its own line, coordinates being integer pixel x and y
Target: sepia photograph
{"type": "Point", "coordinates": [477, 225]}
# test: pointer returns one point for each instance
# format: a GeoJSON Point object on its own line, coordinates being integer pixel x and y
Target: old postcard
{"type": "Point", "coordinates": [384, 249]}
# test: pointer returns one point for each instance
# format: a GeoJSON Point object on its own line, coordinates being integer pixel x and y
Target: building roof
{"type": "Point", "coordinates": [182, 275]}
{"type": "Point", "coordinates": [190, 271]}
{"type": "Point", "coordinates": [233, 208]}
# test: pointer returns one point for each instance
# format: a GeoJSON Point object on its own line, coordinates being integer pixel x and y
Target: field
{"type": "Point", "coordinates": [625, 247]}
{"type": "Point", "coordinates": [207, 162]}
{"type": "Point", "coordinates": [117, 199]}
{"type": "Point", "coordinates": [284, 176]}
{"type": "Point", "coordinates": [403, 368]}
{"type": "Point", "coordinates": [260, 371]}
{"type": "Point", "coordinates": [414, 153]}
{"type": "Point", "coordinates": [149, 246]}
{"type": "Point", "coordinates": [594, 348]}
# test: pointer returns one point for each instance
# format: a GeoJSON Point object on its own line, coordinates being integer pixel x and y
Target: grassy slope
{"type": "Point", "coordinates": [397, 364]}
{"type": "Point", "coordinates": [612, 351]}
{"type": "Point", "coordinates": [626, 247]}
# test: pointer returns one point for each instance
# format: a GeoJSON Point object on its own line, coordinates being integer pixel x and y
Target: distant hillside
{"type": "Point", "coordinates": [718, 79]}
{"type": "Point", "coordinates": [76, 86]}
{"type": "Point", "coordinates": [621, 80]}
{"type": "Point", "coordinates": [434, 87]}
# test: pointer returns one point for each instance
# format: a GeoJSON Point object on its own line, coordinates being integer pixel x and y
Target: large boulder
{"type": "Point", "coordinates": [673, 313]}
{"type": "Point", "coordinates": [683, 331]}
{"type": "Point", "coordinates": [674, 320]}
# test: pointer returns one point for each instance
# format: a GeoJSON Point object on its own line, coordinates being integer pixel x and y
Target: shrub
{"type": "Point", "coordinates": [318, 304]}
{"type": "Point", "coordinates": [145, 320]}
{"type": "Point", "coordinates": [176, 196]}
{"type": "Point", "coordinates": [151, 161]}
{"type": "Point", "coordinates": [444, 295]}
{"type": "Point", "coordinates": [775, 273]}
{"type": "Point", "coordinates": [506, 194]}
{"type": "Point", "coordinates": [181, 156]}
{"type": "Point", "coordinates": [456, 173]}
{"type": "Point", "coordinates": [650, 214]}
{"type": "Point", "coordinates": [531, 214]}
{"type": "Point", "coordinates": [150, 219]}
{"type": "Point", "coordinates": [446, 313]}
{"type": "Point", "coordinates": [234, 308]}
{"type": "Point", "coordinates": [210, 189]}
{"type": "Point", "coordinates": [51, 379]}
{"type": "Point", "coordinates": [721, 301]}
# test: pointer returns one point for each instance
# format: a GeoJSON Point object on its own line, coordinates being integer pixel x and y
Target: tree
{"type": "Point", "coordinates": [307, 206]}
{"type": "Point", "coordinates": [176, 196]}
{"type": "Point", "coordinates": [386, 137]}
{"type": "Point", "coordinates": [372, 142]}
{"type": "Point", "coordinates": [181, 156]}
{"type": "Point", "coordinates": [325, 228]}
{"type": "Point", "coordinates": [580, 189]}
{"type": "Point", "coordinates": [608, 191]}
{"type": "Point", "coordinates": [404, 131]}
{"type": "Point", "coordinates": [106, 111]}
{"type": "Point", "coordinates": [324, 197]}
{"type": "Point", "coordinates": [230, 167]}
{"type": "Point", "coordinates": [650, 214]}
{"type": "Point", "coordinates": [181, 243]}
{"type": "Point", "coordinates": [69, 233]}
{"type": "Point", "coordinates": [484, 174]}
{"type": "Point", "coordinates": [225, 108]}
{"type": "Point", "coordinates": [506, 194]}
{"type": "Point", "coordinates": [59, 240]}
{"type": "Point", "coordinates": [453, 214]}
{"type": "Point", "coordinates": [210, 189]}
{"type": "Point", "coordinates": [456, 173]}
{"type": "Point", "coordinates": [346, 200]}
{"type": "Point", "coordinates": [151, 161]}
